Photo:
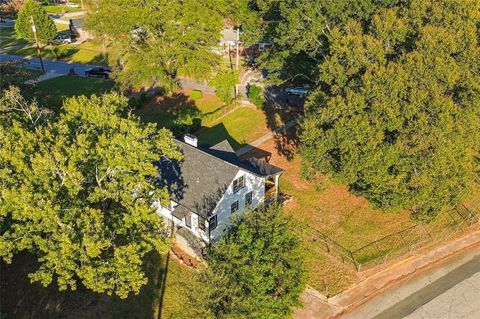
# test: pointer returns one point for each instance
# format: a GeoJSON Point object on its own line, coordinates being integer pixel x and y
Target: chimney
{"type": "Point", "coordinates": [190, 139]}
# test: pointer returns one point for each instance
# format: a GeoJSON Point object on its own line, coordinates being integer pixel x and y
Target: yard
{"type": "Point", "coordinates": [86, 52]}
{"type": "Point", "coordinates": [241, 125]}
{"type": "Point", "coordinates": [60, 9]}
{"type": "Point", "coordinates": [172, 300]}
{"type": "Point", "coordinates": [55, 90]}
{"type": "Point", "coordinates": [89, 52]}
{"type": "Point", "coordinates": [324, 206]}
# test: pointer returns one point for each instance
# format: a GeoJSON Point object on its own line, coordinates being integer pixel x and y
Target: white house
{"type": "Point", "coordinates": [208, 186]}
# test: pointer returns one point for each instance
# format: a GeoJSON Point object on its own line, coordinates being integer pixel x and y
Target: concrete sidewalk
{"type": "Point", "coordinates": [353, 301]}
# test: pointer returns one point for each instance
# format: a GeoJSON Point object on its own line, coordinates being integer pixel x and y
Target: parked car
{"type": "Point", "coordinates": [72, 5]}
{"type": "Point", "coordinates": [300, 91]}
{"type": "Point", "coordinates": [61, 39]}
{"type": "Point", "coordinates": [98, 72]}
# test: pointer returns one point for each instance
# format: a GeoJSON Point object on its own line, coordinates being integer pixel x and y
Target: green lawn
{"type": "Point", "coordinates": [87, 52]}
{"type": "Point", "coordinates": [7, 38]}
{"type": "Point", "coordinates": [60, 9]}
{"type": "Point", "coordinates": [57, 89]}
{"type": "Point", "coordinates": [172, 301]}
{"type": "Point", "coordinates": [164, 110]}
{"type": "Point", "coordinates": [242, 126]}
{"type": "Point", "coordinates": [7, 32]}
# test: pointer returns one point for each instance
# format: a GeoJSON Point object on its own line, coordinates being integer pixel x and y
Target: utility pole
{"type": "Point", "coordinates": [237, 61]}
{"type": "Point", "coordinates": [238, 47]}
{"type": "Point", "coordinates": [34, 29]}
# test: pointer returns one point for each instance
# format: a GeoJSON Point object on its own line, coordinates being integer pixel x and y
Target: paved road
{"type": "Point", "coordinates": [456, 295]}
{"type": "Point", "coordinates": [454, 278]}
{"type": "Point", "coordinates": [275, 96]}
{"type": "Point", "coordinates": [51, 67]}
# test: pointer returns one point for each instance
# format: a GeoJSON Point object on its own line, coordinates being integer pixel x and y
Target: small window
{"type": "Point", "coordinates": [234, 207]}
{"type": "Point", "coordinates": [238, 184]}
{"type": "Point", "coordinates": [248, 199]}
{"type": "Point", "coordinates": [201, 223]}
{"type": "Point", "coordinates": [213, 223]}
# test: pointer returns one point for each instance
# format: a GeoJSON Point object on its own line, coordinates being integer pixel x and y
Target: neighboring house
{"type": "Point", "coordinates": [228, 41]}
{"type": "Point", "coordinates": [208, 186]}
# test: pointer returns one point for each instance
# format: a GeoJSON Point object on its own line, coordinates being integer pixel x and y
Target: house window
{"type": "Point", "coordinates": [212, 223]}
{"type": "Point", "coordinates": [234, 207]}
{"type": "Point", "coordinates": [201, 223]}
{"type": "Point", "coordinates": [248, 199]}
{"type": "Point", "coordinates": [238, 184]}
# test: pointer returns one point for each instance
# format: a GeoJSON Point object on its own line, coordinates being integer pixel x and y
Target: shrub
{"type": "Point", "coordinates": [196, 95]}
{"type": "Point", "coordinates": [255, 95]}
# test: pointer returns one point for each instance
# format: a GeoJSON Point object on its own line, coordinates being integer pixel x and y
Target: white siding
{"type": "Point", "coordinates": [167, 213]}
{"type": "Point", "coordinates": [252, 183]}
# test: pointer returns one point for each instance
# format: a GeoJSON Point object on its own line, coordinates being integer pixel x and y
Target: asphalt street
{"type": "Point", "coordinates": [52, 67]}
{"type": "Point", "coordinates": [455, 295]}
{"type": "Point", "coordinates": [461, 301]}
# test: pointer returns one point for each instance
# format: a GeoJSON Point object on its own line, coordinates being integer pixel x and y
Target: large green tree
{"type": "Point", "coordinates": [397, 111]}
{"type": "Point", "coordinates": [45, 27]}
{"type": "Point", "coordinates": [159, 39]}
{"type": "Point", "coordinates": [76, 190]}
{"type": "Point", "coordinates": [299, 31]}
{"type": "Point", "coordinates": [255, 271]}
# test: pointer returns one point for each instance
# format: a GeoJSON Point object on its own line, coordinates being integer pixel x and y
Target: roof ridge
{"type": "Point", "coordinates": [211, 155]}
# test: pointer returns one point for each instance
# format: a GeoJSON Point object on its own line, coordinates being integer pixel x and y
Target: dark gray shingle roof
{"type": "Point", "coordinates": [200, 179]}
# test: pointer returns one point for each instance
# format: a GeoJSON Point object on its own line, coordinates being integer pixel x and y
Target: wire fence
{"type": "Point", "coordinates": [396, 244]}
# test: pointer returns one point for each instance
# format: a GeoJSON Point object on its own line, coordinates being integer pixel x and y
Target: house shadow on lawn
{"type": "Point", "coordinates": [22, 299]}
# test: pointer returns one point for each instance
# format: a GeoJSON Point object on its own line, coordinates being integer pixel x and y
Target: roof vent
{"type": "Point", "coordinates": [190, 139]}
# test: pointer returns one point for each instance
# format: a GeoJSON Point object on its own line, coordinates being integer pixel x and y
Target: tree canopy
{"type": "Point", "coordinates": [77, 190]}
{"type": "Point", "coordinates": [159, 39]}
{"type": "Point", "coordinates": [299, 31]}
{"type": "Point", "coordinates": [45, 27]}
{"type": "Point", "coordinates": [224, 83]}
{"type": "Point", "coordinates": [255, 271]}
{"type": "Point", "coordinates": [397, 108]}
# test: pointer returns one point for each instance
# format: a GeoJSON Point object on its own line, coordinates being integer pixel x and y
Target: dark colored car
{"type": "Point", "coordinates": [98, 72]}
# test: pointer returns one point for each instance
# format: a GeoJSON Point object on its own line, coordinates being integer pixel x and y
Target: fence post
{"type": "Point", "coordinates": [378, 249]}
{"type": "Point", "coordinates": [357, 267]}
{"type": "Point", "coordinates": [326, 242]}
{"type": "Point", "coordinates": [426, 231]}
{"type": "Point", "coordinates": [471, 214]}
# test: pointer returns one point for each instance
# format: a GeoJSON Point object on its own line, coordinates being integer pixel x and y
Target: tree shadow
{"type": "Point", "coordinates": [209, 136]}
{"type": "Point", "coordinates": [22, 299]}
{"type": "Point", "coordinates": [170, 177]}
{"type": "Point", "coordinates": [280, 113]}
{"type": "Point", "coordinates": [176, 112]}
